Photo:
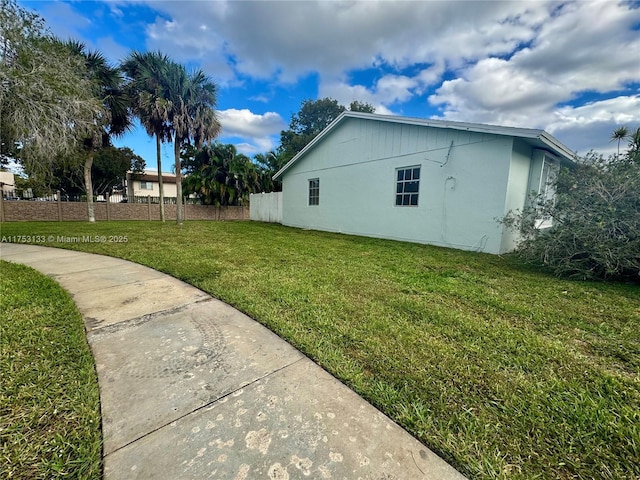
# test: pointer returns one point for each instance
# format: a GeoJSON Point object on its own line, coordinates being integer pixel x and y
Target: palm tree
{"type": "Point", "coordinates": [207, 174]}
{"type": "Point", "coordinates": [191, 116]}
{"type": "Point", "coordinates": [107, 84]}
{"type": "Point", "coordinates": [268, 165]}
{"type": "Point", "coordinates": [619, 134]}
{"type": "Point", "coordinates": [245, 178]}
{"type": "Point", "coordinates": [633, 152]}
{"type": "Point", "coordinates": [148, 88]}
{"type": "Point", "coordinates": [219, 175]}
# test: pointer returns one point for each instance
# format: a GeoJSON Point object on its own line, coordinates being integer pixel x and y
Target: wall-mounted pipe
{"type": "Point", "coordinates": [448, 153]}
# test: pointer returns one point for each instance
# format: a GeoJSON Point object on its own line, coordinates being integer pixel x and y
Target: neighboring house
{"type": "Point", "coordinates": [7, 184]}
{"type": "Point", "coordinates": [426, 181]}
{"type": "Point", "coordinates": [146, 184]}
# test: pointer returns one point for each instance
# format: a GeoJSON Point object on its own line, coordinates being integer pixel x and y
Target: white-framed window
{"type": "Point", "coordinates": [146, 185]}
{"type": "Point", "coordinates": [314, 191]}
{"type": "Point", "coordinates": [407, 186]}
{"type": "Point", "coordinates": [546, 190]}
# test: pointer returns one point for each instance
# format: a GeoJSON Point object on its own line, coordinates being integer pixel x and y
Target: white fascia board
{"type": "Point", "coordinates": [560, 149]}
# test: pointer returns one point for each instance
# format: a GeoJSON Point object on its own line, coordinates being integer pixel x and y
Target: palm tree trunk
{"type": "Point", "coordinates": [89, 187]}
{"type": "Point", "coordinates": [160, 186]}
{"type": "Point", "coordinates": [176, 151]}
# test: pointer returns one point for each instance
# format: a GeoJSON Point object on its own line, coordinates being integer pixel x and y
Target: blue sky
{"type": "Point", "coordinates": [571, 68]}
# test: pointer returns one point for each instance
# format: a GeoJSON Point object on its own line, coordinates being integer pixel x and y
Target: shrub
{"type": "Point", "coordinates": [596, 220]}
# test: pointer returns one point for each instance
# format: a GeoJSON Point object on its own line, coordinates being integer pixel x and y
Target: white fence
{"type": "Point", "coordinates": [266, 207]}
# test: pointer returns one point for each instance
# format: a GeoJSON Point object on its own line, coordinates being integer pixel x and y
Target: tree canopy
{"type": "Point", "coordinates": [364, 107]}
{"type": "Point", "coordinates": [110, 167]}
{"type": "Point", "coordinates": [313, 117]}
{"type": "Point", "coordinates": [46, 101]}
{"type": "Point", "coordinates": [268, 165]}
{"type": "Point", "coordinates": [218, 175]}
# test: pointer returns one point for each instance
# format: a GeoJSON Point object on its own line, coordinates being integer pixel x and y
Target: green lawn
{"type": "Point", "coordinates": [504, 371]}
{"type": "Point", "coordinates": [49, 401]}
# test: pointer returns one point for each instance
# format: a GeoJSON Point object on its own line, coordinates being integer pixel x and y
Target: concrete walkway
{"type": "Point", "coordinates": [191, 388]}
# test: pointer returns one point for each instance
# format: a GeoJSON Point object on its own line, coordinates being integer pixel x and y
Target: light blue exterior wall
{"type": "Point", "coordinates": [459, 199]}
{"type": "Point", "coordinates": [518, 188]}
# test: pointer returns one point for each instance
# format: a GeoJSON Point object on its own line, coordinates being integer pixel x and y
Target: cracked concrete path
{"type": "Point", "coordinates": [191, 388]}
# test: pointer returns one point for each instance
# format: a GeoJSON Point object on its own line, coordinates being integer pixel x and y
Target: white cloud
{"type": "Point", "coordinates": [395, 88]}
{"type": "Point", "coordinates": [244, 123]}
{"type": "Point", "coordinates": [250, 149]}
{"type": "Point", "coordinates": [258, 131]}
{"type": "Point", "coordinates": [345, 94]}
{"type": "Point", "coordinates": [587, 46]}
{"type": "Point", "coordinates": [388, 90]}
{"type": "Point", "coordinates": [583, 47]}
{"type": "Point", "coordinates": [495, 91]}
{"type": "Point", "coordinates": [619, 110]}
{"type": "Point", "coordinates": [260, 98]}
{"type": "Point", "coordinates": [512, 63]}
{"type": "Point", "coordinates": [184, 39]}
{"type": "Point", "coordinates": [430, 76]}
{"type": "Point", "coordinates": [289, 39]}
{"type": "Point", "coordinates": [115, 11]}
{"type": "Point", "coordinates": [590, 126]}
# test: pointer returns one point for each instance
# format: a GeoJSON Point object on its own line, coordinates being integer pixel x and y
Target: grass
{"type": "Point", "coordinates": [49, 401]}
{"type": "Point", "coordinates": [504, 371]}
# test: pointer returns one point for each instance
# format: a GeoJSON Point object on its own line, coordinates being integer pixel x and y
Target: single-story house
{"type": "Point", "coordinates": [426, 181]}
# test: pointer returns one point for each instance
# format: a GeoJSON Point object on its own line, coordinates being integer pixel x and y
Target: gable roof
{"type": "Point", "coordinates": [537, 138]}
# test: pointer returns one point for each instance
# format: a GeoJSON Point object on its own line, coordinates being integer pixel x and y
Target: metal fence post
{"type": "Point", "coordinates": [149, 206]}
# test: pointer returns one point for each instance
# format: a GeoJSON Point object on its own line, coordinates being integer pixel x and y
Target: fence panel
{"type": "Point", "coordinates": [266, 207]}
{"type": "Point", "coordinates": [60, 207]}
